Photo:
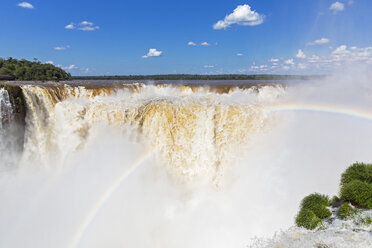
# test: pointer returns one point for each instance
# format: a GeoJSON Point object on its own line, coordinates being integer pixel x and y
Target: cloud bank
{"type": "Point", "coordinates": [341, 57]}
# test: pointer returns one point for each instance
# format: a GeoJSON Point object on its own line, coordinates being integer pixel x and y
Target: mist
{"type": "Point", "coordinates": [46, 198]}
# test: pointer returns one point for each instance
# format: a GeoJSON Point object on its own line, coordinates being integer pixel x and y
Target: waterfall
{"type": "Point", "coordinates": [196, 131]}
{"type": "Point", "coordinates": [7, 146]}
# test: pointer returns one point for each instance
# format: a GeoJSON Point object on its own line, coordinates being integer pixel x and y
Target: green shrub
{"type": "Point", "coordinates": [357, 171]}
{"type": "Point", "coordinates": [358, 193]}
{"type": "Point", "coordinates": [307, 219]}
{"type": "Point", "coordinates": [317, 203]}
{"type": "Point", "coordinates": [346, 210]}
{"type": "Point", "coordinates": [335, 199]}
{"type": "Point", "coordinates": [315, 198]}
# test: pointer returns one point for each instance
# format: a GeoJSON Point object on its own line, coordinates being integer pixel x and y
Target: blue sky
{"type": "Point", "coordinates": [256, 36]}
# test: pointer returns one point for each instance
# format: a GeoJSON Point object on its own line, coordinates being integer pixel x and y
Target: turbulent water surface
{"type": "Point", "coordinates": [177, 165]}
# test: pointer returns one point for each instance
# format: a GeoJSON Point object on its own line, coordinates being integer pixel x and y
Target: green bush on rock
{"type": "Point", "coordinates": [318, 204]}
{"type": "Point", "coordinates": [307, 219]}
{"type": "Point", "coordinates": [313, 210]}
{"type": "Point", "coordinates": [357, 171]}
{"type": "Point", "coordinates": [356, 188]}
{"type": "Point", "coordinates": [358, 193]}
{"type": "Point", "coordinates": [335, 199]}
{"type": "Point", "coordinates": [346, 210]}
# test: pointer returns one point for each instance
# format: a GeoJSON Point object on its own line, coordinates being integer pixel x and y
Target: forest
{"type": "Point", "coordinates": [24, 70]}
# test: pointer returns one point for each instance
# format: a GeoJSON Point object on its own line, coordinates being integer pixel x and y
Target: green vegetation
{"type": "Point", "coordinates": [345, 211]}
{"type": "Point", "coordinates": [335, 199]}
{"type": "Point", "coordinates": [357, 171]}
{"type": "Point", "coordinates": [356, 188]}
{"type": "Point", "coordinates": [313, 210]}
{"type": "Point", "coordinates": [199, 77]}
{"type": "Point", "coordinates": [306, 218]}
{"type": "Point", "coordinates": [366, 221]}
{"type": "Point", "coordinates": [318, 204]}
{"type": "Point", "coordinates": [23, 70]}
{"type": "Point", "coordinates": [358, 193]}
{"type": "Point", "coordinates": [356, 185]}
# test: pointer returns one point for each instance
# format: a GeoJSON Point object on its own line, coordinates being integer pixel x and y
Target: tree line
{"type": "Point", "coordinates": [24, 70]}
{"type": "Point", "coordinates": [199, 77]}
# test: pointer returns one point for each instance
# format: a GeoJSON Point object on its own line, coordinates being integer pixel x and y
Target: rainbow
{"type": "Point", "coordinates": [104, 198]}
{"type": "Point", "coordinates": [284, 107]}
{"type": "Point", "coordinates": [323, 108]}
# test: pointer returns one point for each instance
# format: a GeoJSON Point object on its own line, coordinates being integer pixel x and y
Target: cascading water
{"type": "Point", "coordinates": [195, 133]}
{"type": "Point", "coordinates": [174, 166]}
{"type": "Point", "coordinates": [7, 156]}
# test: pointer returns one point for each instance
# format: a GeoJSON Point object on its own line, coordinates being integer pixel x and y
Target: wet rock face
{"type": "Point", "coordinates": [13, 119]}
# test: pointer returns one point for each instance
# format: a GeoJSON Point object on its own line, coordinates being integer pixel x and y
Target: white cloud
{"type": "Point", "coordinates": [59, 48]}
{"type": "Point", "coordinates": [190, 43]}
{"type": "Point", "coordinates": [26, 5]}
{"type": "Point", "coordinates": [205, 43]}
{"type": "Point", "coordinates": [301, 54]}
{"type": "Point", "coordinates": [321, 41]}
{"type": "Point", "coordinates": [289, 62]}
{"type": "Point", "coordinates": [273, 60]}
{"type": "Point", "coordinates": [152, 53]}
{"type": "Point", "coordinates": [301, 66]}
{"type": "Point", "coordinates": [313, 59]}
{"type": "Point", "coordinates": [239, 54]}
{"type": "Point", "coordinates": [242, 15]}
{"type": "Point", "coordinates": [342, 50]}
{"type": "Point", "coordinates": [84, 70]}
{"type": "Point", "coordinates": [258, 68]}
{"type": "Point", "coordinates": [49, 62]}
{"type": "Point", "coordinates": [87, 26]}
{"type": "Point", "coordinates": [70, 67]}
{"type": "Point", "coordinates": [86, 23]}
{"type": "Point", "coordinates": [70, 26]}
{"type": "Point", "coordinates": [209, 66]}
{"type": "Point", "coordinates": [83, 26]}
{"type": "Point", "coordinates": [337, 6]}
{"type": "Point", "coordinates": [341, 57]}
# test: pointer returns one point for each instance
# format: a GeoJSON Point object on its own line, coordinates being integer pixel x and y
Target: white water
{"type": "Point", "coordinates": [337, 234]}
{"type": "Point", "coordinates": [223, 169]}
{"type": "Point", "coordinates": [8, 151]}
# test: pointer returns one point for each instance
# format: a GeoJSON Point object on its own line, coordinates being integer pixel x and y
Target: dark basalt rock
{"type": "Point", "coordinates": [6, 77]}
{"type": "Point", "coordinates": [18, 123]}
{"type": "Point", "coordinates": [337, 204]}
